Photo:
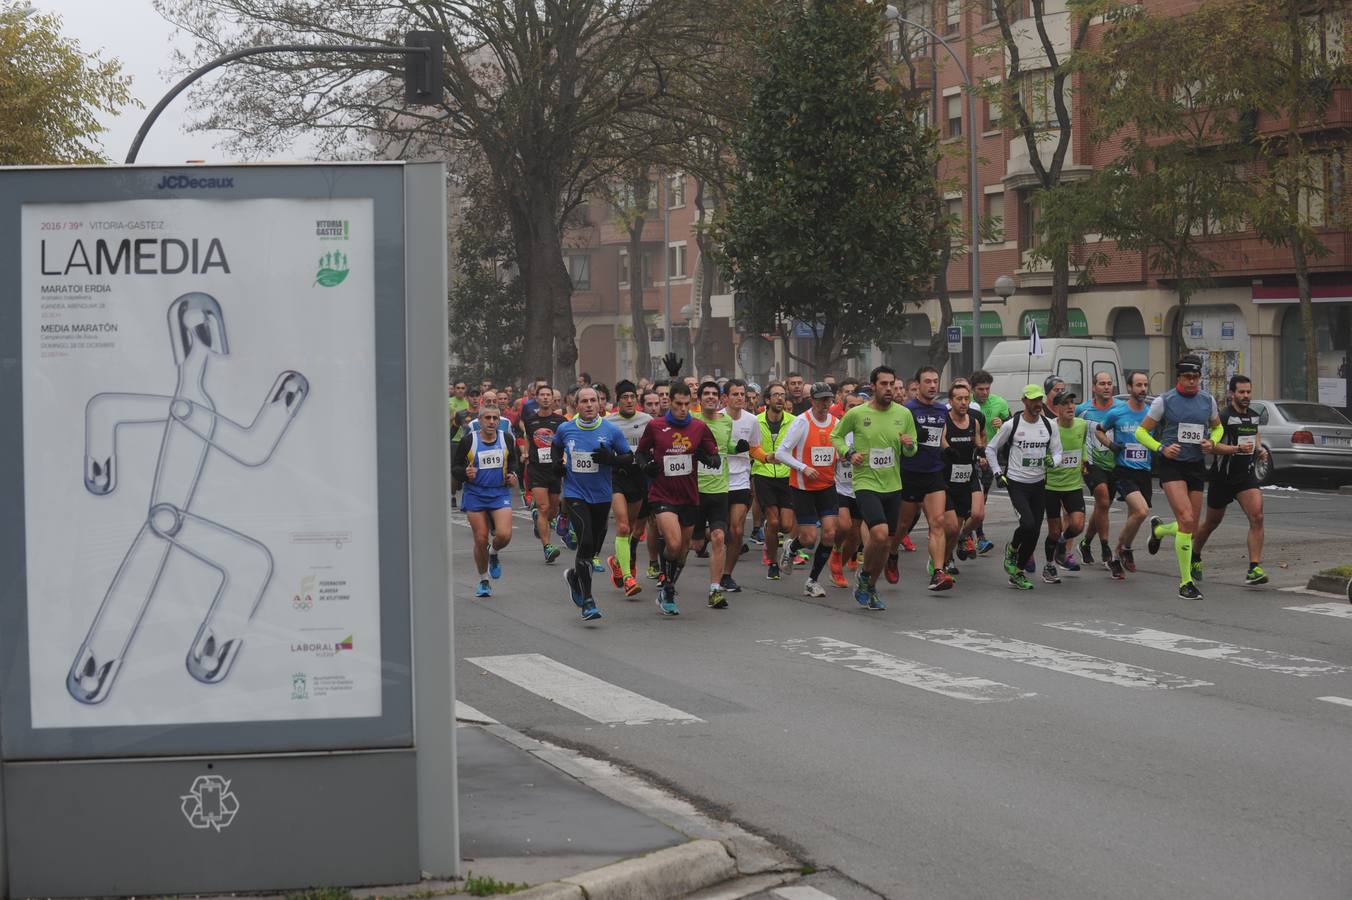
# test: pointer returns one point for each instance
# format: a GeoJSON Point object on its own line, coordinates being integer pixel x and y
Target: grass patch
{"type": "Point", "coordinates": [1339, 571]}
{"type": "Point", "coordinates": [321, 894]}
{"type": "Point", "coordinates": [485, 886]}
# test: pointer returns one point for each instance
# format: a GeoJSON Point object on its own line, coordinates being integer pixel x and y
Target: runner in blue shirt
{"type": "Point", "coordinates": [486, 463]}
{"type": "Point", "coordinates": [1131, 473]}
{"type": "Point", "coordinates": [586, 449]}
{"type": "Point", "coordinates": [1098, 474]}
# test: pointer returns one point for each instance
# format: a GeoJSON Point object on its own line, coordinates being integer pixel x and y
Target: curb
{"type": "Point", "coordinates": [1330, 584]}
{"type": "Point", "coordinates": [670, 873]}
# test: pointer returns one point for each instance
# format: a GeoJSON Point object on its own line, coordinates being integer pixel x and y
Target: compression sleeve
{"type": "Point", "coordinates": [1147, 439]}
{"type": "Point", "coordinates": [1217, 433]}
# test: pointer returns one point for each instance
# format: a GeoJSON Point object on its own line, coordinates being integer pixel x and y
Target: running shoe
{"type": "Point", "coordinates": [772, 572]}
{"type": "Point", "coordinates": [951, 569]}
{"type": "Point", "coordinates": [853, 563]}
{"type": "Point", "coordinates": [483, 590]}
{"type": "Point", "coordinates": [891, 572]}
{"type": "Point", "coordinates": [1031, 566]}
{"type": "Point", "coordinates": [1256, 575]}
{"type": "Point", "coordinates": [574, 589]}
{"type": "Point", "coordinates": [1059, 555]}
{"type": "Point", "coordinates": [717, 600]}
{"type": "Point", "coordinates": [812, 589]}
{"type": "Point", "coordinates": [940, 581]}
{"type": "Point", "coordinates": [907, 545]}
{"type": "Point", "coordinates": [1152, 546]}
{"type": "Point", "coordinates": [653, 570]}
{"type": "Point", "coordinates": [837, 569]}
{"type": "Point", "coordinates": [803, 558]}
{"type": "Point", "coordinates": [666, 601]}
{"type": "Point", "coordinates": [589, 611]}
{"type": "Point", "coordinates": [929, 567]}
{"type": "Point", "coordinates": [631, 587]}
{"type": "Point", "coordinates": [1115, 567]}
{"type": "Point", "coordinates": [1087, 550]}
{"type": "Point", "coordinates": [616, 576]}
{"type": "Point", "coordinates": [745, 550]}
{"type": "Point", "coordinates": [1011, 564]}
{"type": "Point", "coordinates": [1196, 569]}
{"type": "Point", "coordinates": [1070, 564]}
{"type": "Point", "coordinates": [969, 544]}
{"type": "Point", "coordinates": [1049, 574]}
{"type": "Point", "coordinates": [551, 553]}
{"type": "Point", "coordinates": [570, 539]}
{"type": "Point", "coordinates": [875, 603]}
{"type": "Point", "coordinates": [702, 552]}
{"type": "Point", "coordinates": [1128, 559]}
{"type": "Point", "coordinates": [597, 566]}
{"type": "Point", "coordinates": [561, 526]}
{"type": "Point", "coordinates": [727, 584]}
{"type": "Point", "coordinates": [1188, 591]}
{"type": "Point", "coordinates": [862, 593]}
{"type": "Point", "coordinates": [757, 536]}
{"type": "Point", "coordinates": [494, 566]}
{"type": "Point", "coordinates": [765, 557]}
{"type": "Point", "coordinates": [786, 558]}
{"type": "Point", "coordinates": [1020, 581]}
{"type": "Point", "coordinates": [984, 546]}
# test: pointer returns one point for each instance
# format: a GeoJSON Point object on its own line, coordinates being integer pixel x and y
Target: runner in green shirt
{"type": "Point", "coordinates": [1065, 488]}
{"type": "Point", "coordinates": [883, 432]}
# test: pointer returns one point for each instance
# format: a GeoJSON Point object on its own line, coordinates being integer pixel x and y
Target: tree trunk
{"type": "Point", "coordinates": [938, 345]}
{"type": "Point", "coordinates": [704, 345]}
{"type": "Point", "coordinates": [826, 351]}
{"type": "Point", "coordinates": [1177, 344]}
{"type": "Point", "coordinates": [1306, 317]}
{"type": "Point", "coordinates": [638, 321]}
{"type": "Point", "coordinates": [539, 344]}
{"type": "Point", "coordinates": [1058, 317]}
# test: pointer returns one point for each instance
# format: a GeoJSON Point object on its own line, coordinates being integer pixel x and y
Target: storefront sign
{"type": "Point", "coordinates": [1227, 331]}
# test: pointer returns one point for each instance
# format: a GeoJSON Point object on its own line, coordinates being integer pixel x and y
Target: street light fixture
{"type": "Point", "coordinates": [975, 248]}
{"type": "Point", "coordinates": [1005, 287]}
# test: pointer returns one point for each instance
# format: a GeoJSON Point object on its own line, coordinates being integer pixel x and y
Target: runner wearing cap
{"type": "Point", "coordinates": [1192, 425]}
{"type": "Point", "coordinates": [883, 432]}
{"type": "Point", "coordinates": [630, 490]}
{"type": "Point", "coordinates": [1032, 440]}
{"type": "Point", "coordinates": [922, 477]}
{"type": "Point", "coordinates": [1065, 489]}
{"type": "Point", "coordinates": [1232, 479]}
{"type": "Point", "coordinates": [808, 452]}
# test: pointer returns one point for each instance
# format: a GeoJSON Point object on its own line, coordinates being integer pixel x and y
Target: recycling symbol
{"type": "Point", "coordinates": [210, 803]}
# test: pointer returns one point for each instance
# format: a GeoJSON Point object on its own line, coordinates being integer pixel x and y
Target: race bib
{"type": "Point", "coordinates": [823, 456]}
{"type": "Point", "coordinates": [545, 454]}
{"type": "Point", "coordinates": [1135, 453]}
{"type": "Point", "coordinates": [1190, 434]}
{"type": "Point", "coordinates": [881, 458]}
{"type": "Point", "coordinates": [932, 436]}
{"type": "Point", "coordinates": [960, 475]}
{"type": "Point", "coordinates": [583, 462]}
{"type": "Point", "coordinates": [1247, 443]}
{"type": "Point", "coordinates": [1032, 462]}
{"type": "Point", "coordinates": [633, 444]}
{"type": "Point", "coordinates": [677, 464]}
{"type": "Point", "coordinates": [491, 459]}
{"type": "Point", "coordinates": [1070, 460]}
{"type": "Point", "coordinates": [846, 470]}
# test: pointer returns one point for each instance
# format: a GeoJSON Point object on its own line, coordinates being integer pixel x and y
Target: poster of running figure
{"type": "Point", "coordinates": [199, 388]}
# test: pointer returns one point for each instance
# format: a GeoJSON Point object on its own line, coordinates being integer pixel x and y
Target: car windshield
{"type": "Point", "coordinates": [1313, 413]}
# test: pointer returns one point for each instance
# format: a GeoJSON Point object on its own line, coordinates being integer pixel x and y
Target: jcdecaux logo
{"type": "Point", "coordinates": [178, 182]}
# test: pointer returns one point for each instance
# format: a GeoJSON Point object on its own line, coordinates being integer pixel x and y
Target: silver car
{"type": "Point", "coordinates": [1309, 438]}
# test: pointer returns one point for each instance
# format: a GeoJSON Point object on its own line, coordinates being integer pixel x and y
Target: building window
{"type": "Point", "coordinates": [995, 218]}
{"type": "Point", "coordinates": [953, 207]}
{"type": "Point", "coordinates": [993, 114]}
{"type": "Point", "coordinates": [579, 271]}
{"type": "Point", "coordinates": [1030, 216]}
{"type": "Point", "coordinates": [1322, 197]}
{"type": "Point", "coordinates": [1036, 95]}
{"type": "Point", "coordinates": [952, 16]}
{"type": "Point", "coordinates": [676, 260]}
{"type": "Point", "coordinates": [953, 115]}
{"type": "Point", "coordinates": [675, 190]}
{"type": "Point", "coordinates": [624, 267]}
{"type": "Point", "coordinates": [1324, 35]}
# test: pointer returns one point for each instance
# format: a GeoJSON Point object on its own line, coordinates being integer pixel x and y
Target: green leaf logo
{"type": "Point", "coordinates": [333, 268]}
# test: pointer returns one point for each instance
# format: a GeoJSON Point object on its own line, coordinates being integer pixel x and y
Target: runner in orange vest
{"type": "Point", "coordinates": [807, 450]}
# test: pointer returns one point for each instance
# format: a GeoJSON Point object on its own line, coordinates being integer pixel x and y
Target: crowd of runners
{"type": "Point", "coordinates": [833, 476]}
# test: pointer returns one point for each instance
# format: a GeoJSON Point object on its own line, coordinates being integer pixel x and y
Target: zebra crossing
{"type": "Point", "coordinates": [609, 704]}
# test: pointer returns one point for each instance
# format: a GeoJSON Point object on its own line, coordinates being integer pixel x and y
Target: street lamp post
{"type": "Point", "coordinates": [972, 188]}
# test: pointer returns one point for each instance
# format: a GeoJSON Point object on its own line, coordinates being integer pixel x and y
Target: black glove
{"type": "Point", "coordinates": [560, 468]}
{"type": "Point", "coordinates": [652, 468]}
{"type": "Point", "coordinates": [673, 363]}
{"type": "Point", "coordinates": [742, 446]}
{"type": "Point", "coordinates": [1001, 480]}
{"type": "Point", "coordinates": [704, 458]}
{"type": "Point", "coordinates": [604, 455]}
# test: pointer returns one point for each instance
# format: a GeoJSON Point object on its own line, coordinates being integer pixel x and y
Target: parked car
{"type": "Point", "coordinates": [1309, 438]}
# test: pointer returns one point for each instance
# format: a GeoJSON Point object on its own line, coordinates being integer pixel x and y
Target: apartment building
{"type": "Point", "coordinates": [1247, 321]}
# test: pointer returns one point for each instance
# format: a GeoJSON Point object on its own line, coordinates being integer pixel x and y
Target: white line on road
{"type": "Point", "coordinates": [800, 892]}
{"type": "Point", "coordinates": [1337, 610]}
{"type": "Point", "coordinates": [902, 671]}
{"type": "Point", "coordinates": [466, 713]}
{"type": "Point", "coordinates": [1057, 660]}
{"type": "Point", "coordinates": [1341, 701]}
{"type": "Point", "coordinates": [598, 700]}
{"type": "Point", "coordinates": [1253, 658]}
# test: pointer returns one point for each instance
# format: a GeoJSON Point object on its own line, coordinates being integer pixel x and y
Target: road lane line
{"type": "Point", "coordinates": [800, 892]}
{"type": "Point", "coordinates": [1057, 660]}
{"type": "Point", "coordinates": [466, 713]}
{"type": "Point", "coordinates": [902, 671]}
{"type": "Point", "coordinates": [584, 694]}
{"type": "Point", "coordinates": [1341, 701]}
{"type": "Point", "coordinates": [1251, 657]}
{"type": "Point", "coordinates": [1337, 610]}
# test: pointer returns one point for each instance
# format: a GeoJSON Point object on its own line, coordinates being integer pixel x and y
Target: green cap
{"type": "Point", "coordinates": [1034, 392]}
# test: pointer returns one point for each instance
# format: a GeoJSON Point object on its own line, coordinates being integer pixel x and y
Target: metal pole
{"type": "Point", "coordinates": [666, 261]}
{"type": "Point", "coordinates": [975, 199]}
{"type": "Point", "coordinates": [365, 49]}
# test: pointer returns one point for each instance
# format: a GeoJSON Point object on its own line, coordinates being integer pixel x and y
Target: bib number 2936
{"type": "Point", "coordinates": [1189, 434]}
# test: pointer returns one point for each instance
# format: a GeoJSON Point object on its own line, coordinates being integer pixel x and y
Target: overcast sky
{"type": "Point", "coordinates": [133, 32]}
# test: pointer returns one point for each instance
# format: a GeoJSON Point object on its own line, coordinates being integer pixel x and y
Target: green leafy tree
{"type": "Point", "coordinates": [830, 219]}
{"type": "Point", "coordinates": [487, 297]}
{"type": "Point", "coordinates": [51, 92]}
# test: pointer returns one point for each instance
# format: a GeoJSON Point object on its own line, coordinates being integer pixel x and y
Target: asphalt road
{"type": "Point", "coordinates": [1088, 739]}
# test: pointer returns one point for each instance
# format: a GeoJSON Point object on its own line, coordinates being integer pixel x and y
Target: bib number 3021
{"type": "Point", "coordinates": [880, 458]}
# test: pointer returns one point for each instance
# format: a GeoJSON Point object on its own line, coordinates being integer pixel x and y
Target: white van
{"type": "Point", "coordinates": [1073, 360]}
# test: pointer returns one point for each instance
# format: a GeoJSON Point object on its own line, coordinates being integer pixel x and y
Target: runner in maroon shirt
{"type": "Point", "coordinates": [671, 448]}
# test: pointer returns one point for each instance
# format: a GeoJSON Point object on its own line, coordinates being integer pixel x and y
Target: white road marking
{"type": "Point", "coordinates": [584, 694]}
{"type": "Point", "coordinates": [1057, 660]}
{"type": "Point", "coordinates": [1253, 658]}
{"type": "Point", "coordinates": [902, 671]}
{"type": "Point", "coordinates": [1341, 701]}
{"type": "Point", "coordinates": [466, 713]}
{"type": "Point", "coordinates": [1337, 610]}
{"type": "Point", "coordinates": [800, 892]}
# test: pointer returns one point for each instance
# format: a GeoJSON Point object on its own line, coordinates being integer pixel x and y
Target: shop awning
{"type": "Point", "coordinates": [1079, 326]}
{"type": "Point", "coordinates": [1326, 293]}
{"type": "Point", "coordinates": [990, 324]}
